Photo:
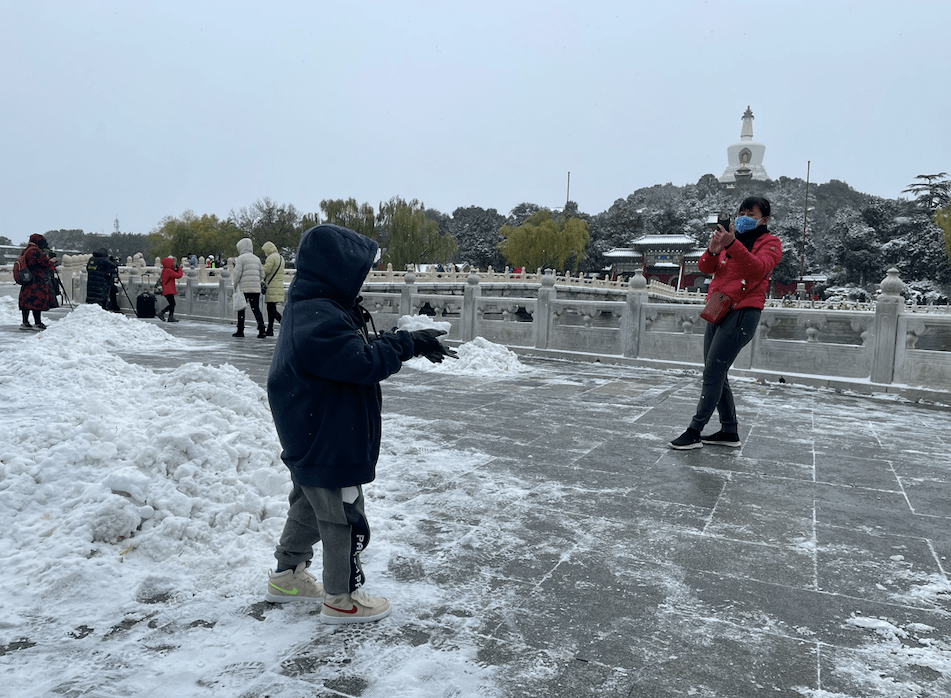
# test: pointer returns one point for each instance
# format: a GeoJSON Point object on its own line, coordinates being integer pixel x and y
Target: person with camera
{"type": "Point", "coordinates": [741, 260]}
{"type": "Point", "coordinates": [101, 275]}
{"type": "Point", "coordinates": [170, 272]}
{"type": "Point", "coordinates": [37, 294]}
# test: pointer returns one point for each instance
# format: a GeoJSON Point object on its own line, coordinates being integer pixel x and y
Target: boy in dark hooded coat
{"type": "Point", "coordinates": [325, 396]}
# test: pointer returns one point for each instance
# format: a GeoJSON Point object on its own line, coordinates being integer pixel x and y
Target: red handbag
{"type": "Point", "coordinates": [718, 305]}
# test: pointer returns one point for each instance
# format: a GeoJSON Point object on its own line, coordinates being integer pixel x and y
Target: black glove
{"type": "Point", "coordinates": [426, 344]}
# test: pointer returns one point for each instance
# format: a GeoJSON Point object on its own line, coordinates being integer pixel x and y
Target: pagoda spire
{"type": "Point", "coordinates": [746, 132]}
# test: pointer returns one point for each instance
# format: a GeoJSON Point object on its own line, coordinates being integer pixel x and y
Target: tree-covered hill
{"type": "Point", "coordinates": [851, 237]}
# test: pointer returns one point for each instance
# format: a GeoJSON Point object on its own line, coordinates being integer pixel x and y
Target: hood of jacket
{"type": "Point", "coordinates": [332, 262]}
{"type": "Point", "coordinates": [245, 245]}
{"type": "Point", "coordinates": [38, 240]}
{"type": "Point", "coordinates": [168, 262]}
{"type": "Point", "coordinates": [269, 248]}
{"type": "Point", "coordinates": [101, 252]}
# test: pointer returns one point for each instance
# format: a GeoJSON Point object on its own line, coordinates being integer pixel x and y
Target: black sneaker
{"type": "Point", "coordinates": [689, 439]}
{"type": "Point", "coordinates": [721, 438]}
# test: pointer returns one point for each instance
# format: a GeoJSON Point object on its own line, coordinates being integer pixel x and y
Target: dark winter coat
{"type": "Point", "coordinates": [741, 273]}
{"type": "Point", "coordinates": [169, 274]}
{"type": "Point", "coordinates": [101, 274]}
{"type": "Point", "coordinates": [38, 294]}
{"type": "Point", "coordinates": [324, 383]}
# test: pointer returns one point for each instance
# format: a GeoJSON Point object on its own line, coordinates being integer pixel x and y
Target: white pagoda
{"type": "Point", "coordinates": [745, 157]}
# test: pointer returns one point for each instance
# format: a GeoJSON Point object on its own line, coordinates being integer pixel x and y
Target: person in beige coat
{"type": "Point", "coordinates": [248, 277]}
{"type": "Point", "coordinates": [274, 278]}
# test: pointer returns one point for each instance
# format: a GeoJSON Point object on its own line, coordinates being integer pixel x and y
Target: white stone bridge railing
{"type": "Point", "coordinates": [881, 344]}
{"type": "Point", "coordinates": [884, 345]}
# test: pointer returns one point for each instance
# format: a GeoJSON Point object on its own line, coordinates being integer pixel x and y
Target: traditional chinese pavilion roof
{"type": "Point", "coordinates": [664, 242]}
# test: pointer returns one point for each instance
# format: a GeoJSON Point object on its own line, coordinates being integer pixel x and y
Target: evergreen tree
{"type": "Point", "coordinates": [476, 232]}
{"type": "Point", "coordinates": [931, 192]}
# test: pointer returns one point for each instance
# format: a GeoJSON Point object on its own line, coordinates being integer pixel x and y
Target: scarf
{"type": "Point", "coordinates": [747, 239]}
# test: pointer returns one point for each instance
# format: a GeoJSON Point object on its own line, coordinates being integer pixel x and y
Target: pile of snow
{"type": "Point", "coordinates": [480, 357]}
{"type": "Point", "coordinates": [97, 453]}
{"type": "Point", "coordinates": [141, 511]}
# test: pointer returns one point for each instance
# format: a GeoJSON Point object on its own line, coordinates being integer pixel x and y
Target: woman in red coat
{"type": "Point", "coordinates": [170, 272]}
{"type": "Point", "coordinates": [741, 261]}
{"type": "Point", "coordinates": [37, 295]}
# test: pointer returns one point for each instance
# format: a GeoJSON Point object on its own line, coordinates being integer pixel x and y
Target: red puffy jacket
{"type": "Point", "coordinates": [742, 274]}
{"type": "Point", "coordinates": [169, 274]}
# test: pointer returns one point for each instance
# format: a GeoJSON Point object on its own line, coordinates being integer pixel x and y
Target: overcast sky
{"type": "Point", "coordinates": [141, 110]}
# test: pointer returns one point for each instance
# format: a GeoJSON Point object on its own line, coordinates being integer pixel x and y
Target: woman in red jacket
{"type": "Point", "coordinates": [170, 272]}
{"type": "Point", "coordinates": [741, 261]}
{"type": "Point", "coordinates": [37, 294]}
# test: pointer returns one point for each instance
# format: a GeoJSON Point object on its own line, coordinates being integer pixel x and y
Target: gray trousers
{"type": "Point", "coordinates": [320, 515]}
{"type": "Point", "coordinates": [721, 345]}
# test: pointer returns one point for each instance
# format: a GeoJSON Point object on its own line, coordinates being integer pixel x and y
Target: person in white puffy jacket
{"type": "Point", "coordinates": [247, 277]}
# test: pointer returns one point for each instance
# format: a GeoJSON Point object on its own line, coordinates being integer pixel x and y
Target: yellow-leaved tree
{"type": "Point", "coordinates": [942, 219]}
{"type": "Point", "coordinates": [545, 242]}
{"type": "Point", "coordinates": [411, 237]}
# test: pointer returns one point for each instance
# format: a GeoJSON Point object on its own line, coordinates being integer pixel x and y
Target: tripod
{"type": "Point", "coordinates": [62, 288]}
{"type": "Point", "coordinates": [122, 286]}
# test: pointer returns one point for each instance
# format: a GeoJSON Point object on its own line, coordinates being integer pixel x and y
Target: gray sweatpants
{"type": "Point", "coordinates": [319, 514]}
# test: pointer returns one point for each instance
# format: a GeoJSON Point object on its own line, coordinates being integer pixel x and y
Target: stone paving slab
{"type": "Point", "coordinates": [623, 568]}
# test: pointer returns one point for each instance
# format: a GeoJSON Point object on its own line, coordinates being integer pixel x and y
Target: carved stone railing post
{"type": "Point", "coordinates": [632, 322]}
{"type": "Point", "coordinates": [408, 293]}
{"type": "Point", "coordinates": [470, 305]}
{"type": "Point", "coordinates": [542, 318]}
{"type": "Point", "coordinates": [885, 341]}
{"type": "Point", "coordinates": [191, 290]}
{"type": "Point", "coordinates": [224, 294]}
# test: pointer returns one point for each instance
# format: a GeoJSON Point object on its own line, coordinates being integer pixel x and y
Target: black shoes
{"type": "Point", "coordinates": [692, 439]}
{"type": "Point", "coordinates": [689, 439]}
{"type": "Point", "coordinates": [721, 438]}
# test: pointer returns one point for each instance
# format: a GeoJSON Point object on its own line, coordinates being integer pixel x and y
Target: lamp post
{"type": "Point", "coordinates": [801, 286]}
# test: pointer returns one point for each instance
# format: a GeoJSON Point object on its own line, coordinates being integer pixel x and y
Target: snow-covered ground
{"type": "Point", "coordinates": [147, 503]}
{"type": "Point", "coordinates": [134, 496]}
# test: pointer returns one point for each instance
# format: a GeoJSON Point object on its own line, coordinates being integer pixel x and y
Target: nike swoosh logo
{"type": "Point", "coordinates": [286, 591]}
{"type": "Point", "coordinates": [340, 610]}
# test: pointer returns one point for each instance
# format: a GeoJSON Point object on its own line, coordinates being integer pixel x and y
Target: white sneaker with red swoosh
{"type": "Point", "coordinates": [355, 607]}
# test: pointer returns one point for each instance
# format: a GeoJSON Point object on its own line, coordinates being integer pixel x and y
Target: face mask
{"type": "Point", "coordinates": [745, 224]}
